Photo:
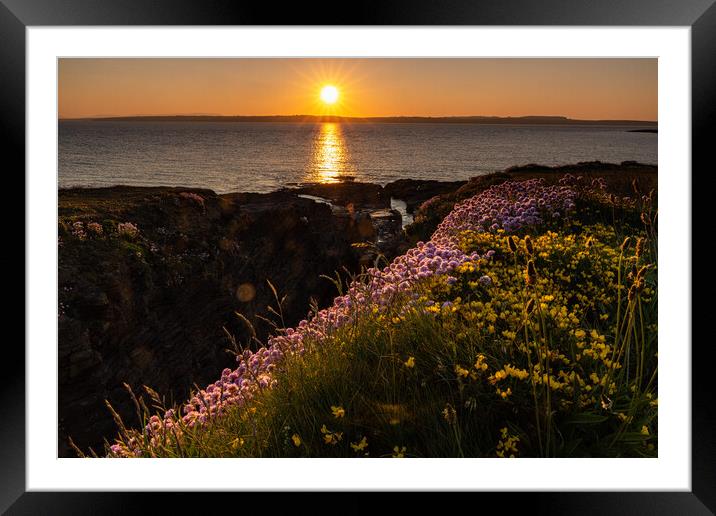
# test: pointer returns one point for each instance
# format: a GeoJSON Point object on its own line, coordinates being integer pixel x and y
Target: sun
{"type": "Point", "coordinates": [329, 94]}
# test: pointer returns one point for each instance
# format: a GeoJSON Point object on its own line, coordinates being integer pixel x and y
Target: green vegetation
{"type": "Point", "coordinates": [546, 346]}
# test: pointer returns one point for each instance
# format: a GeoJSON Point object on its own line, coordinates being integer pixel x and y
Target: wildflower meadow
{"type": "Point", "coordinates": [526, 326]}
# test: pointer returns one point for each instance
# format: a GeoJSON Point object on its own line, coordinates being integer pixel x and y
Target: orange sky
{"type": "Point", "coordinates": [576, 88]}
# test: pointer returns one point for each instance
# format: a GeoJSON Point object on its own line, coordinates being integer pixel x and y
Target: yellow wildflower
{"type": "Point", "coordinates": [509, 335]}
{"type": "Point", "coordinates": [504, 394]}
{"type": "Point", "coordinates": [329, 437]}
{"type": "Point", "coordinates": [332, 438]}
{"type": "Point", "coordinates": [520, 374]}
{"type": "Point", "coordinates": [361, 445]}
{"type": "Point", "coordinates": [480, 363]}
{"type": "Point", "coordinates": [296, 440]}
{"type": "Point", "coordinates": [399, 452]}
{"type": "Point", "coordinates": [410, 363]}
{"type": "Point", "coordinates": [507, 444]}
{"type": "Point", "coordinates": [338, 412]}
{"type": "Point", "coordinates": [461, 371]}
{"type": "Point", "coordinates": [499, 375]}
{"type": "Point", "coordinates": [449, 414]}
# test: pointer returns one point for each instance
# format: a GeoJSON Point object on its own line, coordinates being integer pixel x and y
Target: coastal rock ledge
{"type": "Point", "coordinates": [150, 280]}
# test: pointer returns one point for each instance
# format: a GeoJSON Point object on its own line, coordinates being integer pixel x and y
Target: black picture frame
{"type": "Point", "coordinates": [17, 15]}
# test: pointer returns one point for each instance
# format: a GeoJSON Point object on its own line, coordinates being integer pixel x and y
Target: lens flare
{"type": "Point", "coordinates": [329, 94]}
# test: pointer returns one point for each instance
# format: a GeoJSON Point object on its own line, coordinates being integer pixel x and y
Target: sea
{"type": "Point", "coordinates": [265, 156]}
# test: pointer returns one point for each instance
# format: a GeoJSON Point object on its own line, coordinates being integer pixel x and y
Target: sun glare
{"type": "Point", "coordinates": [329, 94]}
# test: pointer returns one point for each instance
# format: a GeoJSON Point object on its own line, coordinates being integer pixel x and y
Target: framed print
{"type": "Point", "coordinates": [270, 257]}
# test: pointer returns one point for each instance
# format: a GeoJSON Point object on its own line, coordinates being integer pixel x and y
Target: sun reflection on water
{"type": "Point", "coordinates": [329, 160]}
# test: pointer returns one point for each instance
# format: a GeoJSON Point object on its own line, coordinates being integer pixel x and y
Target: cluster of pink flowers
{"type": "Point", "coordinates": [127, 229]}
{"type": "Point", "coordinates": [82, 230]}
{"type": "Point", "coordinates": [78, 230]}
{"type": "Point", "coordinates": [95, 228]}
{"type": "Point", "coordinates": [427, 204]}
{"type": "Point", "coordinates": [508, 206]}
{"type": "Point", "coordinates": [198, 199]}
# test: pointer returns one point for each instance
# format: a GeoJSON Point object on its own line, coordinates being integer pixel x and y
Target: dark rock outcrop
{"type": "Point", "coordinates": [151, 309]}
{"type": "Point", "coordinates": [414, 192]}
{"type": "Point", "coordinates": [388, 228]}
{"type": "Point", "coordinates": [348, 193]}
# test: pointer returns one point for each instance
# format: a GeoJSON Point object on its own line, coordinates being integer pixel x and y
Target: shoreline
{"type": "Point", "coordinates": [584, 167]}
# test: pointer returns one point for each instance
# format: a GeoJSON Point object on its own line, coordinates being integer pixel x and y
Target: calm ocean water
{"type": "Point", "coordinates": [261, 157]}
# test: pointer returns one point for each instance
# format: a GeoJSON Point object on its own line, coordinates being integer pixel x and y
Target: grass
{"type": "Point", "coordinates": [546, 349]}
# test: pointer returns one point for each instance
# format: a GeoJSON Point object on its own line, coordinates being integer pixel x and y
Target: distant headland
{"type": "Point", "coordinates": [518, 120]}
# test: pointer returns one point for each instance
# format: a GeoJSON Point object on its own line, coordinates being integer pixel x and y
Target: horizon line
{"type": "Point", "coordinates": [553, 118]}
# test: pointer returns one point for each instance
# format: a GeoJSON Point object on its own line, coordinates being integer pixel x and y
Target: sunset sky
{"type": "Point", "coordinates": [577, 88]}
